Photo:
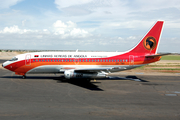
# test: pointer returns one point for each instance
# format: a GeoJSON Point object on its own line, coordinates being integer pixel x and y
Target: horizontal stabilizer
{"type": "Point", "coordinates": [157, 55]}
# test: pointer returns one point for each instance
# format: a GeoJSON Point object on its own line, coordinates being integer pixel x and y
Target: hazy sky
{"type": "Point", "coordinates": [98, 25]}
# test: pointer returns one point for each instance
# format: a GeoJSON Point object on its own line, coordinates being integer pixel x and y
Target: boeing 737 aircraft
{"type": "Point", "coordinates": [89, 64]}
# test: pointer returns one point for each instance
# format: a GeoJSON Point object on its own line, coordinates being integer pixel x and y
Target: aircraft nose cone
{"type": "Point", "coordinates": [3, 65]}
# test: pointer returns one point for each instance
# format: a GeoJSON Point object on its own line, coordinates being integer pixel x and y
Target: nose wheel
{"type": "Point", "coordinates": [23, 77]}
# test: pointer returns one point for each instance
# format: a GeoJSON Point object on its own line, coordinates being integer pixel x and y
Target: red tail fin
{"type": "Point", "coordinates": [149, 44]}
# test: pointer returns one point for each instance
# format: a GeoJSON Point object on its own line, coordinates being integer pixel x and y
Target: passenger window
{"type": "Point", "coordinates": [45, 60]}
{"type": "Point", "coordinates": [79, 60]}
{"type": "Point", "coordinates": [42, 60]}
{"type": "Point", "coordinates": [103, 60]}
{"type": "Point", "coordinates": [62, 60]}
{"type": "Point", "coordinates": [115, 60]}
{"type": "Point", "coordinates": [123, 60]}
{"type": "Point", "coordinates": [112, 60]}
{"type": "Point", "coordinates": [126, 60]}
{"type": "Point", "coordinates": [109, 60]}
{"type": "Point", "coordinates": [120, 60]}
{"type": "Point", "coordinates": [92, 60]}
{"type": "Point", "coordinates": [39, 60]}
{"type": "Point", "coordinates": [34, 60]}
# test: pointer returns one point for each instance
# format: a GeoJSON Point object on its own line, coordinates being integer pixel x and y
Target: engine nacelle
{"type": "Point", "coordinates": [70, 74]}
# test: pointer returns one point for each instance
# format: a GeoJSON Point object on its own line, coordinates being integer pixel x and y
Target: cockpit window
{"type": "Point", "coordinates": [14, 59]}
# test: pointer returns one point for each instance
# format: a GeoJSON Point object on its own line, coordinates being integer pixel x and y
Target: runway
{"type": "Point", "coordinates": [51, 97]}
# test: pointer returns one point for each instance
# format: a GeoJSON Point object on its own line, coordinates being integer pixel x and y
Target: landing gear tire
{"type": "Point", "coordinates": [23, 77]}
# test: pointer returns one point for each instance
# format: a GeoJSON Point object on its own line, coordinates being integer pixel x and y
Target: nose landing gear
{"type": "Point", "coordinates": [24, 77]}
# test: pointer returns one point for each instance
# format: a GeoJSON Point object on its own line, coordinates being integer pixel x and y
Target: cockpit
{"type": "Point", "coordinates": [10, 61]}
{"type": "Point", "coordinates": [14, 59]}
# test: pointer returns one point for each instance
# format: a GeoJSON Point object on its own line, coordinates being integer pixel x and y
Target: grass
{"type": "Point", "coordinates": [165, 68]}
{"type": "Point", "coordinates": [171, 57]}
{"type": "Point", "coordinates": [166, 65]}
{"type": "Point", "coordinates": [160, 68]}
{"type": "Point", "coordinates": [142, 67]}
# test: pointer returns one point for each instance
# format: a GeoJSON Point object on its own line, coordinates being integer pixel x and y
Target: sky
{"type": "Point", "coordinates": [96, 25]}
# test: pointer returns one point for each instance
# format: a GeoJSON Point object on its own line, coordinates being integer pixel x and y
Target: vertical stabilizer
{"type": "Point", "coordinates": [149, 43]}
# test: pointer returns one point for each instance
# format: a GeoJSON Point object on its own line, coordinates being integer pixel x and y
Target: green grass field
{"type": "Point", "coordinates": [171, 57]}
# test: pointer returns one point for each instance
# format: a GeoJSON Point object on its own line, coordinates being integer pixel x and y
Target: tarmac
{"type": "Point", "coordinates": [47, 96]}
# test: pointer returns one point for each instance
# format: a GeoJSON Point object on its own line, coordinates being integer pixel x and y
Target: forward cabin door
{"type": "Point", "coordinates": [131, 60]}
{"type": "Point", "coordinates": [28, 60]}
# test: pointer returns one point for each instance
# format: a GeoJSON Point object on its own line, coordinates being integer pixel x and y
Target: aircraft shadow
{"type": "Point", "coordinates": [84, 83]}
{"type": "Point", "coordinates": [130, 77]}
{"type": "Point", "coordinates": [60, 79]}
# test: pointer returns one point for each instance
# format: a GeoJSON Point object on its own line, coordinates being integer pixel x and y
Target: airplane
{"type": "Point", "coordinates": [89, 65]}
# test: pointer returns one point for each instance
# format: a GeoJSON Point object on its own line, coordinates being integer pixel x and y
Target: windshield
{"type": "Point", "coordinates": [14, 59]}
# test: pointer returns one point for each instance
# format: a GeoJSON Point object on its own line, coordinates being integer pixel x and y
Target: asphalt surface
{"type": "Point", "coordinates": [52, 97]}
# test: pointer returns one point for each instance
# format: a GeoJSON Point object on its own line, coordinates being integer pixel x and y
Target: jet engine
{"type": "Point", "coordinates": [70, 74]}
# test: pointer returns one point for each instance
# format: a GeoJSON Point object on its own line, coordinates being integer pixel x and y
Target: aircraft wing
{"type": "Point", "coordinates": [108, 69]}
{"type": "Point", "coordinates": [90, 70]}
